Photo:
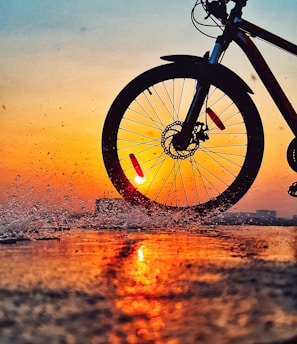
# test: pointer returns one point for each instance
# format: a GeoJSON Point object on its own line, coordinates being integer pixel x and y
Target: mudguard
{"type": "Point", "coordinates": [224, 72]}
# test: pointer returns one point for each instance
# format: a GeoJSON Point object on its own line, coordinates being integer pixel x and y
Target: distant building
{"type": "Point", "coordinates": [260, 217]}
{"type": "Point", "coordinates": [266, 214]}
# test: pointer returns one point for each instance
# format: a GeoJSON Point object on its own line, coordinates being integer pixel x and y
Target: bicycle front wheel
{"type": "Point", "coordinates": [212, 173]}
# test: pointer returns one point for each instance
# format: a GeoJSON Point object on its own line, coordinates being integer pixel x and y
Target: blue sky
{"type": "Point", "coordinates": [113, 28]}
{"type": "Point", "coordinates": [38, 15]}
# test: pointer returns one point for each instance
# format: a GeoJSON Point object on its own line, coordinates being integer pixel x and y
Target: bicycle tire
{"type": "Point", "coordinates": [216, 175]}
{"type": "Point", "coordinates": [292, 154]}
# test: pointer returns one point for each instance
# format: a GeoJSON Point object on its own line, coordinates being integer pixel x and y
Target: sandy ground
{"type": "Point", "coordinates": [214, 285]}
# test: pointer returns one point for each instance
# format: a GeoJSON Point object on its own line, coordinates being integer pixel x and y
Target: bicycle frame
{"type": "Point", "coordinates": [237, 30]}
{"type": "Point", "coordinates": [262, 68]}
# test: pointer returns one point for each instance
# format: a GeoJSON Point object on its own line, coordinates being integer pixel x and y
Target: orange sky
{"type": "Point", "coordinates": [62, 67]}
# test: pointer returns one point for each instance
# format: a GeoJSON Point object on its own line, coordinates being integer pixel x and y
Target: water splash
{"type": "Point", "coordinates": [39, 221]}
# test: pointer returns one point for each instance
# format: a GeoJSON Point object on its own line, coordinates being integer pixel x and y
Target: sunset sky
{"type": "Point", "coordinates": [63, 62]}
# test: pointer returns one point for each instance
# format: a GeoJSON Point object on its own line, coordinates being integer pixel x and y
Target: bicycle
{"type": "Point", "coordinates": [186, 134]}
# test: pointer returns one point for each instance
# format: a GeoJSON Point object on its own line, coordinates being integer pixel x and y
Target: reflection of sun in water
{"type": "Point", "coordinates": [140, 254]}
{"type": "Point", "coordinates": [139, 180]}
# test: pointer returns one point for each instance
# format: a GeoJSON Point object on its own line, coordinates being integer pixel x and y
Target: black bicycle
{"type": "Point", "coordinates": [186, 134]}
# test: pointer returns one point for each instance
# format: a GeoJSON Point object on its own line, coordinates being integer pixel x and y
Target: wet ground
{"type": "Point", "coordinates": [212, 285]}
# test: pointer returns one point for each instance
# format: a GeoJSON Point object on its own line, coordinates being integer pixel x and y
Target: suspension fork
{"type": "Point", "coordinates": [182, 140]}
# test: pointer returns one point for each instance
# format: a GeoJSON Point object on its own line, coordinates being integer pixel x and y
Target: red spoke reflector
{"type": "Point", "coordinates": [215, 119]}
{"type": "Point", "coordinates": [136, 165]}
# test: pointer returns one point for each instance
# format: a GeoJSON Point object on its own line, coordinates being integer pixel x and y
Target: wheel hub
{"type": "Point", "coordinates": [171, 131]}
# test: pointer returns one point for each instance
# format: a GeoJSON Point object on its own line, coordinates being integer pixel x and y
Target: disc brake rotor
{"type": "Point", "coordinates": [173, 129]}
{"type": "Point", "coordinates": [293, 190]}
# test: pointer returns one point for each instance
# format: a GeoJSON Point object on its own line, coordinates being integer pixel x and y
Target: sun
{"type": "Point", "coordinates": [139, 180]}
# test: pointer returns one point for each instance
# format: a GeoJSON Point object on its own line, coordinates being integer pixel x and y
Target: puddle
{"type": "Point", "coordinates": [173, 285]}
